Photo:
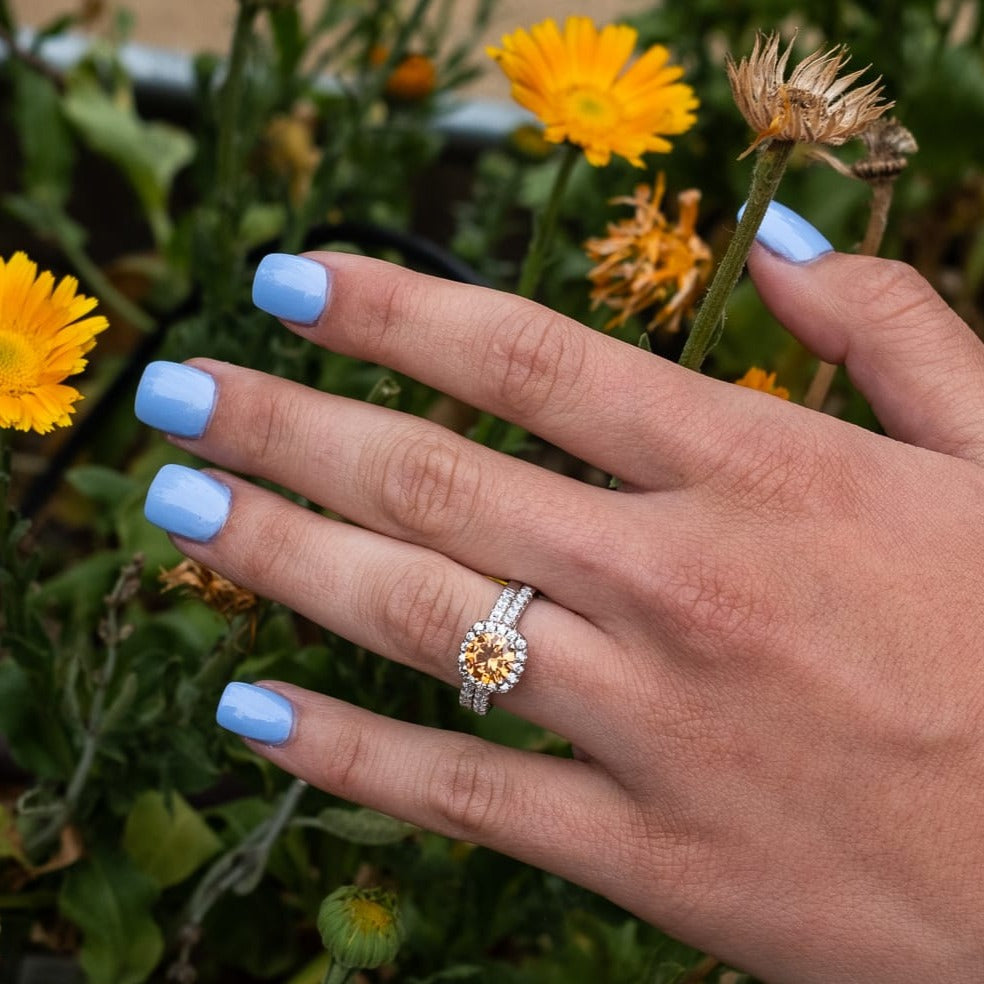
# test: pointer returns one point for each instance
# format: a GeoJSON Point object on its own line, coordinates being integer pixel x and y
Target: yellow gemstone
{"type": "Point", "coordinates": [489, 658]}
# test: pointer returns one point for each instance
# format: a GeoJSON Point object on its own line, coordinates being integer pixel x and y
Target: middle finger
{"type": "Point", "coordinates": [386, 471]}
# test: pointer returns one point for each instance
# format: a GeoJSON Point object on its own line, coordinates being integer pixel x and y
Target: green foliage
{"type": "Point", "coordinates": [196, 856]}
{"type": "Point", "coordinates": [109, 899]}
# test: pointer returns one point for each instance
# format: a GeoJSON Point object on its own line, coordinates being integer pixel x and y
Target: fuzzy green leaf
{"type": "Point", "coordinates": [167, 839]}
{"type": "Point", "coordinates": [110, 901]}
{"type": "Point", "coordinates": [360, 826]}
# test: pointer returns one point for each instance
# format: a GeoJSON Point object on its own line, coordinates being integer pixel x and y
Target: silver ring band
{"type": "Point", "coordinates": [493, 653]}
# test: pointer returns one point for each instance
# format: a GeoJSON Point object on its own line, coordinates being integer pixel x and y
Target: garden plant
{"type": "Point", "coordinates": [138, 840]}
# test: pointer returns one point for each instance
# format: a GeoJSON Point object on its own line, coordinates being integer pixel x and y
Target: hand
{"type": "Point", "coordinates": [766, 648]}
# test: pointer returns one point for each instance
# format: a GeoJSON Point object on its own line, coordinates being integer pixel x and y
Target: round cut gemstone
{"type": "Point", "coordinates": [489, 658]}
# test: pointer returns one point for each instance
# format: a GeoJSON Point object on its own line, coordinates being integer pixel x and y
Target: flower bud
{"type": "Point", "coordinates": [360, 927]}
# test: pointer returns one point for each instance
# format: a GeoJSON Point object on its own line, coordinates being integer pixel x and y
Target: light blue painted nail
{"type": "Point", "coordinates": [789, 235]}
{"type": "Point", "coordinates": [187, 503]}
{"type": "Point", "coordinates": [293, 288]}
{"type": "Point", "coordinates": [255, 712]}
{"type": "Point", "coordinates": [176, 399]}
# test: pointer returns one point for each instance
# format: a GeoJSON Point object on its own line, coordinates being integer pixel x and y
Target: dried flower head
{"type": "Point", "coordinates": [586, 88]}
{"type": "Point", "coordinates": [291, 151]}
{"type": "Point", "coordinates": [815, 104]}
{"type": "Point", "coordinates": [765, 382]}
{"type": "Point", "coordinates": [44, 336]}
{"type": "Point", "coordinates": [646, 264]}
{"type": "Point", "coordinates": [217, 592]}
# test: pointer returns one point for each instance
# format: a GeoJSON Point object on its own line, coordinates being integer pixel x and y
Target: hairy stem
{"type": "Point", "coordinates": [770, 166]}
{"type": "Point", "coordinates": [545, 227]}
{"type": "Point", "coordinates": [112, 632]}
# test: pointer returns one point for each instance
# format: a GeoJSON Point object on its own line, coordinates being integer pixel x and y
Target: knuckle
{"type": "Point", "coordinates": [425, 483]}
{"type": "Point", "coordinates": [351, 757]}
{"type": "Point", "coordinates": [272, 550]}
{"type": "Point", "coordinates": [273, 418]}
{"type": "Point", "coordinates": [533, 360]}
{"type": "Point", "coordinates": [395, 299]}
{"type": "Point", "coordinates": [419, 611]}
{"type": "Point", "coordinates": [469, 792]}
{"type": "Point", "coordinates": [895, 294]}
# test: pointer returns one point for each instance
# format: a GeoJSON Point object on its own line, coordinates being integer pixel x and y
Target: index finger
{"type": "Point", "coordinates": [619, 408]}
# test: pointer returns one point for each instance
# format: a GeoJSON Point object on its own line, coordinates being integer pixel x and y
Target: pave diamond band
{"type": "Point", "coordinates": [493, 653]}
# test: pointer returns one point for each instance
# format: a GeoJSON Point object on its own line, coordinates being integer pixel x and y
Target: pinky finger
{"type": "Point", "coordinates": [534, 807]}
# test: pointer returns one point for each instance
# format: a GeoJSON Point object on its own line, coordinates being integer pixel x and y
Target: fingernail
{"type": "Point", "coordinates": [254, 712]}
{"type": "Point", "coordinates": [291, 287]}
{"type": "Point", "coordinates": [789, 235]}
{"type": "Point", "coordinates": [187, 503]}
{"type": "Point", "coordinates": [176, 399]}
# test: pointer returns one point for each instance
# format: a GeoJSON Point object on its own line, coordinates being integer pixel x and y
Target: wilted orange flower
{"type": "Point", "coordinates": [759, 379]}
{"type": "Point", "coordinates": [812, 106]}
{"type": "Point", "coordinates": [586, 89]}
{"type": "Point", "coordinates": [44, 336]}
{"type": "Point", "coordinates": [645, 263]}
{"type": "Point", "coordinates": [217, 592]}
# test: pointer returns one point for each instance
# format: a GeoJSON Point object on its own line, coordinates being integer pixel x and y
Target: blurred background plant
{"type": "Point", "coordinates": [138, 840]}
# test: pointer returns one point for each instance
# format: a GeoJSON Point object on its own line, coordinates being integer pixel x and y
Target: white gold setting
{"type": "Point", "coordinates": [493, 653]}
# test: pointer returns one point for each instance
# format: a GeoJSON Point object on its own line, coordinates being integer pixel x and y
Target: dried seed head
{"type": "Point", "coordinates": [888, 145]}
{"type": "Point", "coordinates": [814, 105]}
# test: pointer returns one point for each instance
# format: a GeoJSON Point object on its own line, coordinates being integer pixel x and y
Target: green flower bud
{"type": "Point", "coordinates": [360, 927]}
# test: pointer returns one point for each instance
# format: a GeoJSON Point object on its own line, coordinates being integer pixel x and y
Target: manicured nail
{"type": "Point", "coordinates": [187, 503]}
{"type": "Point", "coordinates": [175, 398]}
{"type": "Point", "coordinates": [254, 712]}
{"type": "Point", "coordinates": [291, 287]}
{"type": "Point", "coordinates": [790, 236]}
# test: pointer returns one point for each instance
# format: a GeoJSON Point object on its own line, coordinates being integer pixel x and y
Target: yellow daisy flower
{"type": "Point", "coordinates": [759, 379]}
{"type": "Point", "coordinates": [585, 87]}
{"type": "Point", "coordinates": [44, 335]}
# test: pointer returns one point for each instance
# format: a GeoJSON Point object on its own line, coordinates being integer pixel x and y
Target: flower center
{"type": "Point", "coordinates": [592, 108]}
{"type": "Point", "coordinates": [369, 916]}
{"type": "Point", "coordinates": [489, 659]}
{"type": "Point", "coordinates": [19, 364]}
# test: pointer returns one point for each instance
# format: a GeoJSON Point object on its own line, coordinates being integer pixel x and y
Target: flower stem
{"type": "Point", "coordinates": [769, 168]}
{"type": "Point", "coordinates": [545, 227]}
{"type": "Point", "coordinates": [337, 974]}
{"type": "Point", "coordinates": [227, 164]}
{"type": "Point", "coordinates": [112, 633]}
{"type": "Point", "coordinates": [93, 277]}
{"type": "Point", "coordinates": [881, 203]}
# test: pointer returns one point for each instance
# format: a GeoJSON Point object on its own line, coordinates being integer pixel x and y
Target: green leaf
{"type": "Point", "coordinates": [110, 901]}
{"type": "Point", "coordinates": [360, 826]}
{"type": "Point", "coordinates": [149, 154]}
{"type": "Point", "coordinates": [47, 151]}
{"type": "Point", "coordinates": [167, 839]}
{"type": "Point", "coordinates": [105, 486]}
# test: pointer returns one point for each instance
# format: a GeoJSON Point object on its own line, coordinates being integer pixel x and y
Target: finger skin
{"type": "Point", "coordinates": [403, 602]}
{"type": "Point", "coordinates": [404, 477]}
{"type": "Point", "coordinates": [918, 364]}
{"type": "Point", "coordinates": [594, 396]}
{"type": "Point", "coordinates": [528, 805]}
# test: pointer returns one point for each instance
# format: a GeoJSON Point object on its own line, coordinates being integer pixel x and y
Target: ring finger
{"type": "Point", "coordinates": [405, 602]}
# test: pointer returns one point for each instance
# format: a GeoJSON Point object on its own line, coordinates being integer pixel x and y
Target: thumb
{"type": "Point", "coordinates": [920, 366]}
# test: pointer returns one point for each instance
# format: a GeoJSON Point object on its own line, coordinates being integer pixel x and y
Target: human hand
{"type": "Point", "coordinates": [766, 647]}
